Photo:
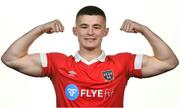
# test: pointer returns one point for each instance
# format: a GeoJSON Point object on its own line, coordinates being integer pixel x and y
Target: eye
{"type": "Point", "coordinates": [83, 27]}
{"type": "Point", "coordinates": [97, 27]}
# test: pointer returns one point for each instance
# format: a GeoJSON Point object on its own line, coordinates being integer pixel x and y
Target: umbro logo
{"type": "Point", "coordinates": [72, 73]}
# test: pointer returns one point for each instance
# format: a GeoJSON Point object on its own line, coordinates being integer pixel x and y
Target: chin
{"type": "Point", "coordinates": [90, 48]}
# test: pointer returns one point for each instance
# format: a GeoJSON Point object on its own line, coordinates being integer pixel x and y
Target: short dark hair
{"type": "Point", "coordinates": [91, 10]}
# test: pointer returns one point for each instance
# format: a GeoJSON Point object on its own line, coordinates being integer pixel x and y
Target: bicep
{"type": "Point", "coordinates": [29, 65]}
{"type": "Point", "coordinates": [151, 66]}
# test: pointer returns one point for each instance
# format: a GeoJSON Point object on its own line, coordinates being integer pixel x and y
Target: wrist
{"type": "Point", "coordinates": [39, 30]}
{"type": "Point", "coordinates": [144, 29]}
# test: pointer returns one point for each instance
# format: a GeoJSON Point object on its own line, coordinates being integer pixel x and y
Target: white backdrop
{"type": "Point", "coordinates": [19, 16]}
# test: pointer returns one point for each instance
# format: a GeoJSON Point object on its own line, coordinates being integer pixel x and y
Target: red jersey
{"type": "Point", "coordinates": [99, 84]}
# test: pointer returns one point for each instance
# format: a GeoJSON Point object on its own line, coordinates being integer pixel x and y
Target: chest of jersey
{"type": "Point", "coordinates": [82, 83]}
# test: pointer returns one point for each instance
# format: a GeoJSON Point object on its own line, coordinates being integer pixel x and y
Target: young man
{"type": "Point", "coordinates": [90, 78]}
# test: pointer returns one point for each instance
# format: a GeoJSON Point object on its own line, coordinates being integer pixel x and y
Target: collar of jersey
{"type": "Point", "coordinates": [101, 58]}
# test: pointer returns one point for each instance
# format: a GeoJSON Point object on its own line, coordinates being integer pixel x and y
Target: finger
{"type": "Point", "coordinates": [131, 27]}
{"type": "Point", "coordinates": [61, 27]}
{"type": "Point", "coordinates": [122, 27]}
{"type": "Point", "coordinates": [57, 26]}
{"type": "Point", "coordinates": [51, 27]}
{"type": "Point", "coordinates": [133, 30]}
{"type": "Point", "coordinates": [54, 28]}
{"type": "Point", "coordinates": [127, 26]}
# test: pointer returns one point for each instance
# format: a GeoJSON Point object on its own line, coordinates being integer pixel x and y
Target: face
{"type": "Point", "coordinates": [90, 30]}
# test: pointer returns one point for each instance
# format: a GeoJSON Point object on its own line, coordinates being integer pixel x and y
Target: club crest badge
{"type": "Point", "coordinates": [108, 75]}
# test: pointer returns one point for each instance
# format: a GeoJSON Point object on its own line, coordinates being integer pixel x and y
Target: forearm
{"type": "Point", "coordinates": [161, 50]}
{"type": "Point", "coordinates": [20, 47]}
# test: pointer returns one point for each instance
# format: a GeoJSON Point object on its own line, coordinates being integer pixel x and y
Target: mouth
{"type": "Point", "coordinates": [90, 39]}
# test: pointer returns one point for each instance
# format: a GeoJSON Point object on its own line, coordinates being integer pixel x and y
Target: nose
{"type": "Point", "coordinates": [90, 31]}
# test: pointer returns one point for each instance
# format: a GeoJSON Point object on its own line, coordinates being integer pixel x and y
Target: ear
{"type": "Point", "coordinates": [74, 31]}
{"type": "Point", "coordinates": [106, 32]}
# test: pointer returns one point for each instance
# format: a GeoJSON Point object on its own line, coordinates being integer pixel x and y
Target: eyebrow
{"type": "Point", "coordinates": [93, 25]}
{"type": "Point", "coordinates": [97, 25]}
{"type": "Point", "coordinates": [83, 25]}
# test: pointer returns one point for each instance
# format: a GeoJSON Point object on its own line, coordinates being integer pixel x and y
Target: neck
{"type": "Point", "coordinates": [90, 54]}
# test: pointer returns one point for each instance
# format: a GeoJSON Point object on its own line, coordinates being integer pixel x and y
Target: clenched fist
{"type": "Point", "coordinates": [132, 27]}
{"type": "Point", "coordinates": [51, 27]}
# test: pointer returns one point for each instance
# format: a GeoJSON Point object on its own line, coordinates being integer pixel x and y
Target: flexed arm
{"type": "Point", "coordinates": [163, 59]}
{"type": "Point", "coordinates": [17, 57]}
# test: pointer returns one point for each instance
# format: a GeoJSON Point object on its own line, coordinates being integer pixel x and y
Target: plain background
{"type": "Point", "coordinates": [19, 16]}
